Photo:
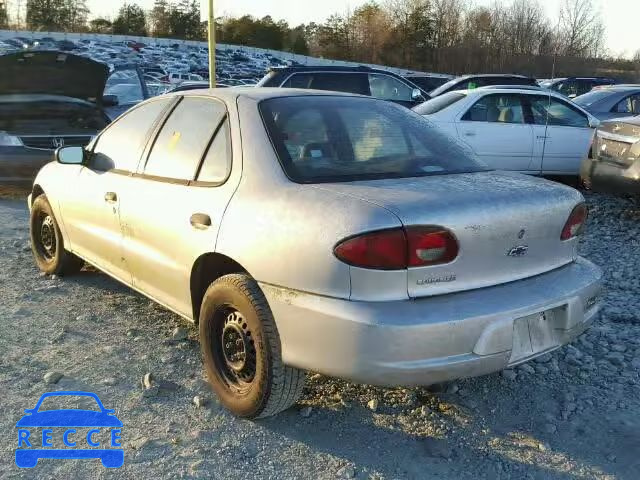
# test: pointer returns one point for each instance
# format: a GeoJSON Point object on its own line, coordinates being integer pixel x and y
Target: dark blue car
{"type": "Point", "coordinates": [31, 447]}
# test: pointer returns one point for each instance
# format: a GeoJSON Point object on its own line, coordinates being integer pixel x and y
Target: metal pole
{"type": "Point", "coordinates": [212, 46]}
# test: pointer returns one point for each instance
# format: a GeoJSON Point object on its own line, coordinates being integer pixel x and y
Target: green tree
{"type": "Point", "coordinates": [159, 19]}
{"type": "Point", "coordinates": [4, 18]}
{"type": "Point", "coordinates": [47, 15]}
{"type": "Point", "coordinates": [131, 20]}
{"type": "Point", "coordinates": [75, 15]}
{"type": "Point", "coordinates": [100, 25]}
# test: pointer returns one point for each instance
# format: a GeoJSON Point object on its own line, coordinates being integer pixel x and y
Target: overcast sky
{"type": "Point", "coordinates": [620, 16]}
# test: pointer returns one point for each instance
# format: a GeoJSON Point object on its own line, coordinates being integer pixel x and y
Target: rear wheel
{"type": "Point", "coordinates": [47, 243]}
{"type": "Point", "coordinates": [241, 350]}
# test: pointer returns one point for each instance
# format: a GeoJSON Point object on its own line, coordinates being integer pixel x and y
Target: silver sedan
{"type": "Point", "coordinates": [316, 231]}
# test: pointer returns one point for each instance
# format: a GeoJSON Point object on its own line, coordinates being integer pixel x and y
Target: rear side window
{"type": "Point", "coordinates": [439, 103]}
{"type": "Point", "coordinates": [327, 139]}
{"type": "Point", "coordinates": [341, 82]}
{"type": "Point", "coordinates": [119, 147]}
{"type": "Point", "coordinates": [555, 112]}
{"type": "Point", "coordinates": [498, 108]}
{"type": "Point", "coordinates": [217, 161]}
{"type": "Point", "coordinates": [628, 105]}
{"type": "Point", "coordinates": [299, 80]}
{"type": "Point", "coordinates": [183, 139]}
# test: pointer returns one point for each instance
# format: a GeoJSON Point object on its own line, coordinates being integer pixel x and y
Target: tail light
{"type": "Point", "coordinates": [575, 222]}
{"type": "Point", "coordinates": [399, 248]}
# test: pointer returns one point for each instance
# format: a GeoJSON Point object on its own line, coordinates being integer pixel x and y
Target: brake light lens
{"type": "Point", "coordinates": [575, 223]}
{"type": "Point", "coordinates": [399, 248]}
{"type": "Point", "coordinates": [431, 246]}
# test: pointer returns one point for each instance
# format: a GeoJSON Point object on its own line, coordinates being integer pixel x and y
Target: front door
{"type": "Point", "coordinates": [91, 211]}
{"type": "Point", "coordinates": [180, 197]}
{"type": "Point", "coordinates": [496, 130]}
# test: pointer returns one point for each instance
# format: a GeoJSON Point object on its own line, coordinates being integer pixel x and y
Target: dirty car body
{"type": "Point", "coordinates": [386, 253]}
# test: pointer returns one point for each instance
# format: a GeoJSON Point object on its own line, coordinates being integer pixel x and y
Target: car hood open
{"type": "Point", "coordinates": [53, 73]}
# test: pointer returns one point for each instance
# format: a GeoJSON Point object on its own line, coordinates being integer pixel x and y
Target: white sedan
{"type": "Point", "coordinates": [526, 130]}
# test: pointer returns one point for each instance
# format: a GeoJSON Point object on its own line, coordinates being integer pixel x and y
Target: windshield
{"type": "Point", "coordinates": [329, 139]}
{"type": "Point", "coordinates": [439, 103]}
{"type": "Point", "coordinates": [592, 97]}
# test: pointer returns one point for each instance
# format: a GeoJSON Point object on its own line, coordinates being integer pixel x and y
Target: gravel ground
{"type": "Point", "coordinates": [572, 414]}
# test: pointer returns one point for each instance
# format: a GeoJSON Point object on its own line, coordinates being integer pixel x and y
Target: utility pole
{"type": "Point", "coordinates": [212, 46]}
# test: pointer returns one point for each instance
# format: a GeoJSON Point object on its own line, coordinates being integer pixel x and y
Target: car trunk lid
{"type": "Point", "coordinates": [507, 225]}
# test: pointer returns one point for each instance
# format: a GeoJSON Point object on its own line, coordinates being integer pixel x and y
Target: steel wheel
{"type": "Point", "coordinates": [47, 237]}
{"type": "Point", "coordinates": [235, 352]}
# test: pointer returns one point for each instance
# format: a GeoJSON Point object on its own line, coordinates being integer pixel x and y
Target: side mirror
{"type": "Point", "coordinates": [416, 95]}
{"type": "Point", "coordinates": [70, 155]}
{"type": "Point", "coordinates": [110, 100]}
{"type": "Point", "coordinates": [594, 122]}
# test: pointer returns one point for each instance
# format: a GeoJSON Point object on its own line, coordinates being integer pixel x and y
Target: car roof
{"type": "Point", "coordinates": [263, 93]}
{"type": "Point", "coordinates": [507, 89]}
{"type": "Point", "coordinates": [330, 68]}
{"type": "Point", "coordinates": [492, 75]}
{"type": "Point", "coordinates": [621, 87]}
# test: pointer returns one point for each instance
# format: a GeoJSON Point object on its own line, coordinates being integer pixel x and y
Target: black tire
{"type": "Point", "coordinates": [47, 243]}
{"type": "Point", "coordinates": [241, 350]}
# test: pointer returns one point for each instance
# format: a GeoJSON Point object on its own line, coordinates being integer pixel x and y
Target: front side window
{"type": "Point", "coordinates": [498, 108]}
{"type": "Point", "coordinates": [554, 112]}
{"type": "Point", "coordinates": [328, 139]}
{"type": "Point", "coordinates": [119, 147]}
{"type": "Point", "coordinates": [386, 87]}
{"type": "Point", "coordinates": [184, 137]}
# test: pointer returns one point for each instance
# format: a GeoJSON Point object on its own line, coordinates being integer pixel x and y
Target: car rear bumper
{"type": "Point", "coordinates": [611, 178]}
{"type": "Point", "coordinates": [19, 165]}
{"type": "Point", "coordinates": [435, 339]}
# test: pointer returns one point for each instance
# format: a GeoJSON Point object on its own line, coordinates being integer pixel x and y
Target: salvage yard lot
{"type": "Point", "coordinates": [572, 414]}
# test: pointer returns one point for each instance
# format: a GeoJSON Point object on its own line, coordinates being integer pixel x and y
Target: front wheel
{"type": "Point", "coordinates": [241, 350]}
{"type": "Point", "coordinates": [47, 243]}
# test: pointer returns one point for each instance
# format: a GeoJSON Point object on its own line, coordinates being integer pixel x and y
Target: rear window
{"type": "Point", "coordinates": [438, 103]}
{"type": "Point", "coordinates": [428, 83]}
{"type": "Point", "coordinates": [592, 97]}
{"type": "Point", "coordinates": [328, 139]}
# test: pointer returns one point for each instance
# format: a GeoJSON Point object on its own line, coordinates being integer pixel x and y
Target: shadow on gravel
{"type": "Point", "coordinates": [489, 442]}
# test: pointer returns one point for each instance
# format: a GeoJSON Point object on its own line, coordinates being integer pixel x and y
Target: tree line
{"type": "Point", "coordinates": [454, 36]}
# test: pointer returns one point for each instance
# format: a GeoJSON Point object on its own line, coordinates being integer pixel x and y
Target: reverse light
{"type": "Point", "coordinates": [7, 140]}
{"type": "Point", "coordinates": [575, 223]}
{"type": "Point", "coordinates": [399, 248]}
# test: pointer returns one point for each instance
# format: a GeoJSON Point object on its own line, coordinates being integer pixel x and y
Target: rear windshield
{"type": "Point", "coordinates": [592, 97]}
{"type": "Point", "coordinates": [328, 139]}
{"type": "Point", "coordinates": [438, 103]}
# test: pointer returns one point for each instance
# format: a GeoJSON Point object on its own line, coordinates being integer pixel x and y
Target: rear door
{"type": "Point", "coordinates": [91, 210]}
{"type": "Point", "coordinates": [180, 196]}
{"type": "Point", "coordinates": [496, 129]}
{"type": "Point", "coordinates": [562, 134]}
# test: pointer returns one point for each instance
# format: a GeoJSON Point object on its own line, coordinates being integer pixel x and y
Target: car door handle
{"type": "Point", "coordinates": [470, 134]}
{"type": "Point", "coordinates": [110, 197]}
{"type": "Point", "coordinates": [540, 137]}
{"type": "Point", "coordinates": [201, 221]}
